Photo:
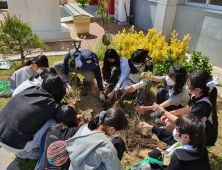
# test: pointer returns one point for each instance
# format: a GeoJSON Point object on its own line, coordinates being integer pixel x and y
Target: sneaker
{"type": "Point", "coordinates": [155, 115]}
{"type": "Point", "coordinates": [33, 154]}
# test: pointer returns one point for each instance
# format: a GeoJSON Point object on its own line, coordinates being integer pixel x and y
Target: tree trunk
{"type": "Point", "coordinates": [22, 58]}
{"type": "Point", "coordinates": [22, 53]}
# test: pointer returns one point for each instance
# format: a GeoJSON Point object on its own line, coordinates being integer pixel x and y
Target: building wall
{"type": "Point", "coordinates": [144, 13]}
{"type": "Point", "coordinates": [205, 28]}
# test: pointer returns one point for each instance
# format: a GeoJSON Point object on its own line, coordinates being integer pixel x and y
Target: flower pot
{"type": "Point", "coordinates": [3, 5]}
{"type": "Point", "coordinates": [63, 2]}
{"type": "Point", "coordinates": [82, 23]}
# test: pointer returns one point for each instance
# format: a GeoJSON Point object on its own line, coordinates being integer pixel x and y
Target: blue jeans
{"type": "Point", "coordinates": [41, 151]}
{"type": "Point", "coordinates": [161, 97]}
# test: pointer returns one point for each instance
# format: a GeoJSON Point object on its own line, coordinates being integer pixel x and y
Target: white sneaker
{"type": "Point", "coordinates": [33, 154]}
{"type": "Point", "coordinates": [155, 115]}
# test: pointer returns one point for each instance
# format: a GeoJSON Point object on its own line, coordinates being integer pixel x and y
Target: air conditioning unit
{"type": "Point", "coordinates": [122, 11]}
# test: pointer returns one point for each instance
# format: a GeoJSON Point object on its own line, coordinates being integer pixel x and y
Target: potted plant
{"type": "Point", "coordinates": [103, 11]}
{"type": "Point", "coordinates": [82, 23]}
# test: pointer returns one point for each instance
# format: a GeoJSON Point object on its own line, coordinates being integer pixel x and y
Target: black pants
{"type": "Point", "coordinates": [120, 146]}
{"type": "Point", "coordinates": [113, 79]}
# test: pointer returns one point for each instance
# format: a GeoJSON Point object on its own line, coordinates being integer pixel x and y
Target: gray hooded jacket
{"type": "Point", "coordinates": [92, 152]}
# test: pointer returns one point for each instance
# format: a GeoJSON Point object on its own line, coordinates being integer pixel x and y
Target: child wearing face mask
{"type": "Point", "coordinates": [202, 103]}
{"type": "Point", "coordinates": [139, 61]}
{"type": "Point", "coordinates": [172, 98]}
{"type": "Point", "coordinates": [91, 149]}
{"type": "Point", "coordinates": [118, 65]}
{"type": "Point", "coordinates": [24, 72]}
{"type": "Point", "coordinates": [188, 151]}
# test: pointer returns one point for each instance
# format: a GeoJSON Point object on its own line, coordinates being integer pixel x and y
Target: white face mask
{"type": "Point", "coordinates": [39, 71]}
{"type": "Point", "coordinates": [187, 89]}
{"type": "Point", "coordinates": [174, 135]}
{"type": "Point", "coordinates": [169, 81]}
{"type": "Point", "coordinates": [113, 136]}
{"type": "Point", "coordinates": [137, 66]}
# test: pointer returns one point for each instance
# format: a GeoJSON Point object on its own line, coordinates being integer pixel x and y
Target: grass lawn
{"type": "Point", "coordinates": [215, 153]}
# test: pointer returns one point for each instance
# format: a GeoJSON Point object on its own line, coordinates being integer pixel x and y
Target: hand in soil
{"type": "Point", "coordinates": [163, 119]}
{"type": "Point", "coordinates": [157, 108]}
{"type": "Point", "coordinates": [130, 89]}
{"type": "Point", "coordinates": [110, 95]}
{"type": "Point", "coordinates": [144, 125]}
{"type": "Point", "coordinates": [140, 108]}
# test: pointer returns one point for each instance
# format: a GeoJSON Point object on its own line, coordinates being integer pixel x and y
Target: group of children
{"type": "Point", "coordinates": [35, 118]}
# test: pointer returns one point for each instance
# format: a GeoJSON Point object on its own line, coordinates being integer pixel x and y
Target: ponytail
{"type": "Point", "coordinates": [93, 124]}
{"type": "Point", "coordinates": [200, 79]}
{"type": "Point", "coordinates": [114, 117]}
{"type": "Point", "coordinates": [28, 63]}
{"type": "Point", "coordinates": [40, 60]}
{"type": "Point", "coordinates": [213, 100]}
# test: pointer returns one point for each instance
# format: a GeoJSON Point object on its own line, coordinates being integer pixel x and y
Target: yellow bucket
{"type": "Point", "coordinates": [82, 23]}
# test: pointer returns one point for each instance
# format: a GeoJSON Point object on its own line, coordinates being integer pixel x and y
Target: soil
{"type": "Point", "coordinates": [138, 143]}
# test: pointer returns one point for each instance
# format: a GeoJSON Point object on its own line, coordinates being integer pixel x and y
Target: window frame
{"type": "Point", "coordinates": [206, 5]}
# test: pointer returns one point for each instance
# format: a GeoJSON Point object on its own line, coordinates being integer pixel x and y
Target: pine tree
{"type": "Point", "coordinates": [18, 38]}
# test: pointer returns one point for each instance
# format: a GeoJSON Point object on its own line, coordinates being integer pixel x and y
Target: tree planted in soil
{"type": "Point", "coordinates": [18, 37]}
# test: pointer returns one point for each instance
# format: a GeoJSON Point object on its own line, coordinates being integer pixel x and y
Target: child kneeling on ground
{"type": "Point", "coordinates": [91, 149]}
{"type": "Point", "coordinates": [53, 153]}
{"type": "Point", "coordinates": [188, 151]}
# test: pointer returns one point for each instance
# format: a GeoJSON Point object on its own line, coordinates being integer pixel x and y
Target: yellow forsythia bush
{"type": "Point", "coordinates": [127, 42]}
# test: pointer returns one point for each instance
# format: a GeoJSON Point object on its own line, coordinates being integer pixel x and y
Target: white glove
{"type": "Point", "coordinates": [102, 97]}
{"type": "Point", "coordinates": [69, 90]}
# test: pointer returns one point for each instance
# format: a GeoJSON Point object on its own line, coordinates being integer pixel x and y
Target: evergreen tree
{"type": "Point", "coordinates": [18, 37]}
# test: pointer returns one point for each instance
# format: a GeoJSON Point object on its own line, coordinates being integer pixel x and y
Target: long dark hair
{"type": "Point", "coordinates": [40, 60]}
{"type": "Point", "coordinates": [114, 117]}
{"type": "Point", "coordinates": [139, 56]}
{"type": "Point", "coordinates": [66, 115]}
{"type": "Point", "coordinates": [44, 73]}
{"type": "Point", "coordinates": [180, 74]}
{"type": "Point", "coordinates": [192, 126]}
{"type": "Point", "coordinates": [54, 85]}
{"type": "Point", "coordinates": [110, 54]}
{"type": "Point", "coordinates": [199, 79]}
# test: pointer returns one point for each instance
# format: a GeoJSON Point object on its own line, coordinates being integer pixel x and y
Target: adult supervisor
{"type": "Point", "coordinates": [88, 65]}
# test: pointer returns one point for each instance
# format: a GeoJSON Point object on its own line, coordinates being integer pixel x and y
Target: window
{"type": "Point", "coordinates": [213, 4]}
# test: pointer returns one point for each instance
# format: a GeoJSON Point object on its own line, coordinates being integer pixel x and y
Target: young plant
{"type": "Point", "coordinates": [18, 37]}
{"type": "Point", "coordinates": [109, 84]}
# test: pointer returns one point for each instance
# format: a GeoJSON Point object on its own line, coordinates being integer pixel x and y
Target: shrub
{"type": "Point", "coordinates": [127, 42]}
{"type": "Point", "coordinates": [18, 37]}
{"type": "Point", "coordinates": [196, 62]}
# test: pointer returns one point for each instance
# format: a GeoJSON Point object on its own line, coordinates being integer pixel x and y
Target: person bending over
{"type": "Point", "coordinates": [91, 149]}
{"type": "Point", "coordinates": [27, 115]}
{"type": "Point", "coordinates": [24, 72]}
{"type": "Point", "coordinates": [35, 80]}
{"type": "Point", "coordinates": [118, 65]}
{"type": "Point", "coordinates": [53, 153]}
{"type": "Point", "coordinates": [87, 64]}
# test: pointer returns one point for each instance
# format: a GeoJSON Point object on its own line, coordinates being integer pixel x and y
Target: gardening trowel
{"type": "Point", "coordinates": [117, 99]}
